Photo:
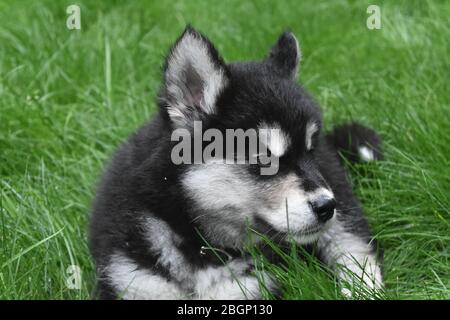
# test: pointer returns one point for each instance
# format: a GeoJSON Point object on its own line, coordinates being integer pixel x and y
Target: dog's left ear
{"type": "Point", "coordinates": [284, 56]}
{"type": "Point", "coordinates": [194, 76]}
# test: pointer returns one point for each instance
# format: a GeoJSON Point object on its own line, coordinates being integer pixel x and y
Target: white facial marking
{"type": "Point", "coordinates": [366, 153]}
{"type": "Point", "coordinates": [274, 139]}
{"type": "Point", "coordinates": [295, 216]}
{"type": "Point", "coordinates": [311, 129]}
{"type": "Point", "coordinates": [320, 192]}
{"type": "Point", "coordinates": [230, 200]}
{"type": "Point", "coordinates": [216, 186]}
{"type": "Point", "coordinates": [296, 213]}
{"type": "Point", "coordinates": [225, 196]}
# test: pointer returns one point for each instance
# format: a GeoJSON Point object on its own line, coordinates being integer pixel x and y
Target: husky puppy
{"type": "Point", "coordinates": [161, 230]}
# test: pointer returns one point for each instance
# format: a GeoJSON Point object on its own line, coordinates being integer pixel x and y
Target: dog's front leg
{"type": "Point", "coordinates": [232, 281]}
{"type": "Point", "coordinates": [353, 258]}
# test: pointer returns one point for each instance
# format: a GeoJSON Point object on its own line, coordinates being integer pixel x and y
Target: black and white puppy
{"type": "Point", "coordinates": [152, 218]}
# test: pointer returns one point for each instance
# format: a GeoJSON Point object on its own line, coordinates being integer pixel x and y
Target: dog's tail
{"type": "Point", "coordinates": [356, 142]}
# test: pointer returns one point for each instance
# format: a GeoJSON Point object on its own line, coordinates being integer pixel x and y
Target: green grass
{"type": "Point", "coordinates": [68, 98]}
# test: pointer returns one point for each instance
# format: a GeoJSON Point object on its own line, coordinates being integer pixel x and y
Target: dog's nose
{"type": "Point", "coordinates": [324, 208]}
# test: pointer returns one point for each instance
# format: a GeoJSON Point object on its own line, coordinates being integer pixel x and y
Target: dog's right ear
{"type": "Point", "coordinates": [194, 76]}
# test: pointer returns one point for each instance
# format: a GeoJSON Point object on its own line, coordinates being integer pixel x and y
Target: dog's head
{"type": "Point", "coordinates": [226, 197]}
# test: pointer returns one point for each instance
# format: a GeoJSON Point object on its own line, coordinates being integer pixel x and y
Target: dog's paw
{"type": "Point", "coordinates": [361, 279]}
{"type": "Point", "coordinates": [230, 288]}
{"type": "Point", "coordinates": [236, 280]}
{"type": "Point", "coordinates": [230, 281]}
{"type": "Point", "coordinates": [247, 287]}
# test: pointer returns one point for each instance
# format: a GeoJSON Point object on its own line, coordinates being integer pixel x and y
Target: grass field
{"type": "Point", "coordinates": [68, 98]}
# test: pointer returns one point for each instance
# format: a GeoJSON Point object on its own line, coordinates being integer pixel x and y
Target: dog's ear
{"type": "Point", "coordinates": [284, 56]}
{"type": "Point", "coordinates": [194, 76]}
